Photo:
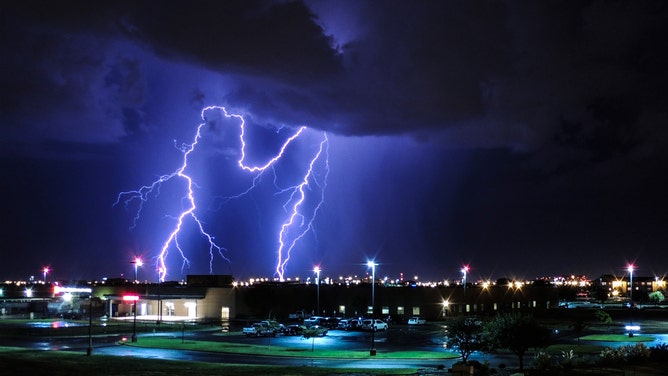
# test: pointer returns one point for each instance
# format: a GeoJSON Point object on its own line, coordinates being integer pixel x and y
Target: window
{"type": "Point", "coordinates": [416, 311]}
{"type": "Point", "coordinates": [369, 310]}
{"type": "Point", "coordinates": [169, 306]}
{"type": "Point", "coordinates": [400, 310]}
{"type": "Point", "coordinates": [385, 310]}
{"type": "Point", "coordinates": [191, 308]}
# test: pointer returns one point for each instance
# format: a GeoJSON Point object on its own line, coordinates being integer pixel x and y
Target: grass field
{"type": "Point", "coordinates": [617, 338]}
{"type": "Point", "coordinates": [240, 348]}
{"type": "Point", "coordinates": [13, 361]}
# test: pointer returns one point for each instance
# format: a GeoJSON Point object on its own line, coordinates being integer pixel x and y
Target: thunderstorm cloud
{"type": "Point", "coordinates": [540, 124]}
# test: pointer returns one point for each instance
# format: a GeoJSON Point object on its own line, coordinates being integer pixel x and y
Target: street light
{"type": "Point", "coordinates": [137, 261]}
{"type": "Point", "coordinates": [317, 273]}
{"type": "Point", "coordinates": [89, 350]}
{"type": "Point", "coordinates": [45, 271]}
{"type": "Point", "coordinates": [465, 270]}
{"type": "Point", "coordinates": [630, 269]}
{"type": "Point", "coordinates": [160, 272]}
{"type": "Point", "coordinates": [133, 298]}
{"type": "Point", "coordinates": [446, 305]}
{"type": "Point", "coordinates": [372, 265]}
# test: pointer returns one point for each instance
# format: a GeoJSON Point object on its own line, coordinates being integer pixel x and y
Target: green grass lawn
{"type": "Point", "coordinates": [617, 338]}
{"type": "Point", "coordinates": [64, 363]}
{"type": "Point", "coordinates": [305, 351]}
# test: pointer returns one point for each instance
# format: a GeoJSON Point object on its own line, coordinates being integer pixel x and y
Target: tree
{"type": "Point", "coordinates": [603, 316]}
{"type": "Point", "coordinates": [656, 297]}
{"type": "Point", "coordinates": [517, 333]}
{"type": "Point", "coordinates": [465, 334]}
{"type": "Point", "coordinates": [600, 294]}
{"type": "Point", "coordinates": [578, 326]}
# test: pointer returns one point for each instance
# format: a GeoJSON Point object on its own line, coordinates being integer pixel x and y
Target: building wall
{"type": "Point", "coordinates": [275, 300]}
{"type": "Point", "coordinates": [401, 302]}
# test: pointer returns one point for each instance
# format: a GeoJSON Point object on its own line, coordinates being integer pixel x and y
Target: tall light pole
{"type": "Point", "coordinates": [372, 265]}
{"type": "Point", "coordinates": [137, 261]}
{"type": "Point", "coordinates": [160, 271]}
{"type": "Point", "coordinates": [317, 273]}
{"type": "Point", "coordinates": [133, 298]}
{"type": "Point", "coordinates": [630, 269]}
{"type": "Point", "coordinates": [45, 271]}
{"type": "Point", "coordinates": [465, 270]}
{"type": "Point", "coordinates": [89, 351]}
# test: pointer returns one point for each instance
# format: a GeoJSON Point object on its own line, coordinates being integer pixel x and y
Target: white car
{"type": "Point", "coordinates": [416, 321]}
{"type": "Point", "coordinates": [374, 324]}
{"type": "Point", "coordinates": [313, 320]}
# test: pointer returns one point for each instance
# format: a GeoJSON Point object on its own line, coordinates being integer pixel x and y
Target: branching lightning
{"type": "Point", "coordinates": [297, 220]}
{"type": "Point", "coordinates": [293, 229]}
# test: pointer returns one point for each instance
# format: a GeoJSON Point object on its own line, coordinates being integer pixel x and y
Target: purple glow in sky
{"type": "Point", "coordinates": [293, 229]}
{"type": "Point", "coordinates": [520, 138]}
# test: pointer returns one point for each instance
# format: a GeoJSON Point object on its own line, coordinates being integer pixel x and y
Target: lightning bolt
{"type": "Point", "coordinates": [144, 192]}
{"type": "Point", "coordinates": [298, 223]}
{"type": "Point", "coordinates": [297, 220]}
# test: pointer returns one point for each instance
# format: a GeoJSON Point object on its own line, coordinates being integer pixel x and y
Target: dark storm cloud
{"type": "Point", "coordinates": [256, 37]}
{"type": "Point", "coordinates": [93, 60]}
{"type": "Point", "coordinates": [481, 74]}
{"type": "Point", "coordinates": [557, 112]}
{"type": "Point", "coordinates": [568, 79]}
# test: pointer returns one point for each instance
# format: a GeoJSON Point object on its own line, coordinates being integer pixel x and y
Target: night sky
{"type": "Point", "coordinates": [524, 139]}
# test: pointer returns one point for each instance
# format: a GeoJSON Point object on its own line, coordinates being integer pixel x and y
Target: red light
{"type": "Point", "coordinates": [130, 298]}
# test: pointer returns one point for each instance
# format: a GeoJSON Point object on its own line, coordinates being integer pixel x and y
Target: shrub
{"type": "Point", "coordinates": [611, 357]}
{"type": "Point", "coordinates": [481, 369]}
{"type": "Point", "coordinates": [542, 361]}
{"type": "Point", "coordinates": [637, 354]}
{"type": "Point", "coordinates": [568, 360]}
{"type": "Point", "coordinates": [659, 353]}
{"type": "Point", "coordinates": [625, 354]}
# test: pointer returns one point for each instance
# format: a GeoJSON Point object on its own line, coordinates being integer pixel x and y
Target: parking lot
{"type": "Point", "coordinates": [430, 336]}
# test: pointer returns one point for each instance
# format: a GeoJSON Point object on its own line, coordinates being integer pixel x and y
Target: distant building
{"type": "Point", "coordinates": [219, 297]}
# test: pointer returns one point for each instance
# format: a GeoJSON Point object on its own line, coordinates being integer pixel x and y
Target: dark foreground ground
{"type": "Point", "coordinates": [18, 361]}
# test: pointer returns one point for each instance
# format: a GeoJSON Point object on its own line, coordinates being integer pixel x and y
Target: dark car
{"type": "Point", "coordinates": [349, 324]}
{"type": "Point", "coordinates": [294, 330]}
{"type": "Point", "coordinates": [330, 322]}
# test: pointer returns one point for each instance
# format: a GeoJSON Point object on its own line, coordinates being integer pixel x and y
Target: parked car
{"type": "Point", "coordinates": [314, 331]}
{"type": "Point", "coordinates": [276, 326]}
{"type": "Point", "coordinates": [344, 324]}
{"type": "Point", "coordinates": [294, 330]}
{"type": "Point", "coordinates": [350, 324]}
{"type": "Point", "coordinates": [313, 320]}
{"type": "Point", "coordinates": [416, 321]}
{"type": "Point", "coordinates": [374, 325]}
{"type": "Point", "coordinates": [330, 322]}
{"type": "Point", "coordinates": [258, 329]}
{"type": "Point", "coordinates": [355, 324]}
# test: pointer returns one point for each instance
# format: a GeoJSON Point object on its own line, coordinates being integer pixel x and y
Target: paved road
{"type": "Point", "coordinates": [269, 360]}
